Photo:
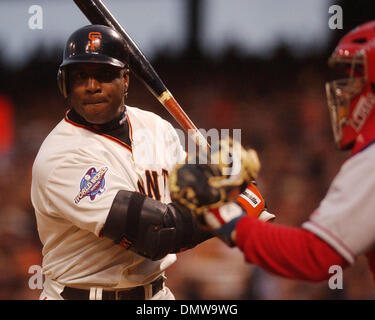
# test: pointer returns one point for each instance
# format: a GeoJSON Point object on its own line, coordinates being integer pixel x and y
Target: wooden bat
{"type": "Point", "coordinates": [97, 13]}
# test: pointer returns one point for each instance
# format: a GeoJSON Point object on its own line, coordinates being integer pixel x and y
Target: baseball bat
{"type": "Point", "coordinates": [97, 13]}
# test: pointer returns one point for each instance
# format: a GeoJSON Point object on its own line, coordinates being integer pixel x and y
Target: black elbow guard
{"type": "Point", "coordinates": [151, 228]}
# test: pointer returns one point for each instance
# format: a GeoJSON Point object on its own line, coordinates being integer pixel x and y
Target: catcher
{"type": "Point", "coordinates": [342, 227]}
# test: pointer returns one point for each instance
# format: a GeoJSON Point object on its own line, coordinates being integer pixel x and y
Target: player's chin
{"type": "Point", "coordinates": [96, 113]}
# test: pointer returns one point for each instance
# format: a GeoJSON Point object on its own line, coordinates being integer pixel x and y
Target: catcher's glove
{"type": "Point", "coordinates": [203, 186]}
{"type": "Point", "coordinates": [222, 192]}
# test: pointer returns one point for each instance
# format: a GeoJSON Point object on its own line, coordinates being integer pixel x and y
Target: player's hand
{"type": "Point", "coordinates": [222, 192]}
{"type": "Point", "coordinates": [222, 221]}
{"type": "Point", "coordinates": [254, 204]}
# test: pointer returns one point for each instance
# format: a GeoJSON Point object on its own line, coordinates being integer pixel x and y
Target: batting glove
{"type": "Point", "coordinates": [222, 221]}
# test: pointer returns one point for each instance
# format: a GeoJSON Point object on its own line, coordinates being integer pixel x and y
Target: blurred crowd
{"type": "Point", "coordinates": [281, 110]}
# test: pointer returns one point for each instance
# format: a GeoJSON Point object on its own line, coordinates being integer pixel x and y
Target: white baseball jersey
{"type": "Point", "coordinates": [76, 175]}
{"type": "Point", "coordinates": [345, 218]}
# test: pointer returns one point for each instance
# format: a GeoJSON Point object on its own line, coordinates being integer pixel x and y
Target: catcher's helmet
{"type": "Point", "coordinates": [92, 44]}
{"type": "Point", "coordinates": [351, 97]}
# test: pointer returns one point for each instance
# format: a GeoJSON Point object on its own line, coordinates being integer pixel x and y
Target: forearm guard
{"type": "Point", "coordinates": [151, 228]}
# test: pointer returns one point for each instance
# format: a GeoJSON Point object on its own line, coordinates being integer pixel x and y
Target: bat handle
{"type": "Point", "coordinates": [170, 103]}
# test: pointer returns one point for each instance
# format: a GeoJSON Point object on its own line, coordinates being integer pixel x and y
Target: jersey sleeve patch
{"type": "Point", "coordinates": [92, 184]}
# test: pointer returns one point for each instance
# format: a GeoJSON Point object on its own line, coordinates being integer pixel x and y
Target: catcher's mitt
{"type": "Point", "coordinates": [205, 186]}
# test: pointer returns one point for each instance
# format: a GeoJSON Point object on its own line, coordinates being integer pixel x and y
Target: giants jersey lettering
{"type": "Point", "coordinates": [76, 175]}
{"type": "Point", "coordinates": [345, 218]}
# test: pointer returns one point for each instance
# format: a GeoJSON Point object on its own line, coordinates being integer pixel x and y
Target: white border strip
{"type": "Point", "coordinates": [330, 239]}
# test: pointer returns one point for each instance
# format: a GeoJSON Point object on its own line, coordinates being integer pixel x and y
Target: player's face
{"type": "Point", "coordinates": [97, 91]}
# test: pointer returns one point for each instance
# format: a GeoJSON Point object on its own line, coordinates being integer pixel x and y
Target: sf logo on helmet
{"type": "Point", "coordinates": [94, 40]}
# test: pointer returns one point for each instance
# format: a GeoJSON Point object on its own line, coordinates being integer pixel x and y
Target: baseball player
{"type": "Point", "coordinates": [342, 227]}
{"type": "Point", "coordinates": [99, 183]}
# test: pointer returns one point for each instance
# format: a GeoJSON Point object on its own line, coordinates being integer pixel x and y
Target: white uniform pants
{"type": "Point", "coordinates": [52, 290]}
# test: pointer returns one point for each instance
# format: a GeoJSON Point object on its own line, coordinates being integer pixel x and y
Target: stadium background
{"type": "Point", "coordinates": [277, 100]}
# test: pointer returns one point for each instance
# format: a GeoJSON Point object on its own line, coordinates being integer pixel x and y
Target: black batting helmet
{"type": "Point", "coordinates": [92, 44]}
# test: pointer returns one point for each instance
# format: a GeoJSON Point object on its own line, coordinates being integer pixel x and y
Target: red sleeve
{"type": "Point", "coordinates": [290, 252]}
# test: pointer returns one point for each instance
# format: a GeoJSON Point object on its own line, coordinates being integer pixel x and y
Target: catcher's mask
{"type": "Point", "coordinates": [350, 95]}
{"type": "Point", "coordinates": [92, 44]}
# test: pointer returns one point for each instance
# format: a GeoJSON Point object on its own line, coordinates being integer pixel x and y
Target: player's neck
{"type": "Point", "coordinates": [105, 127]}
